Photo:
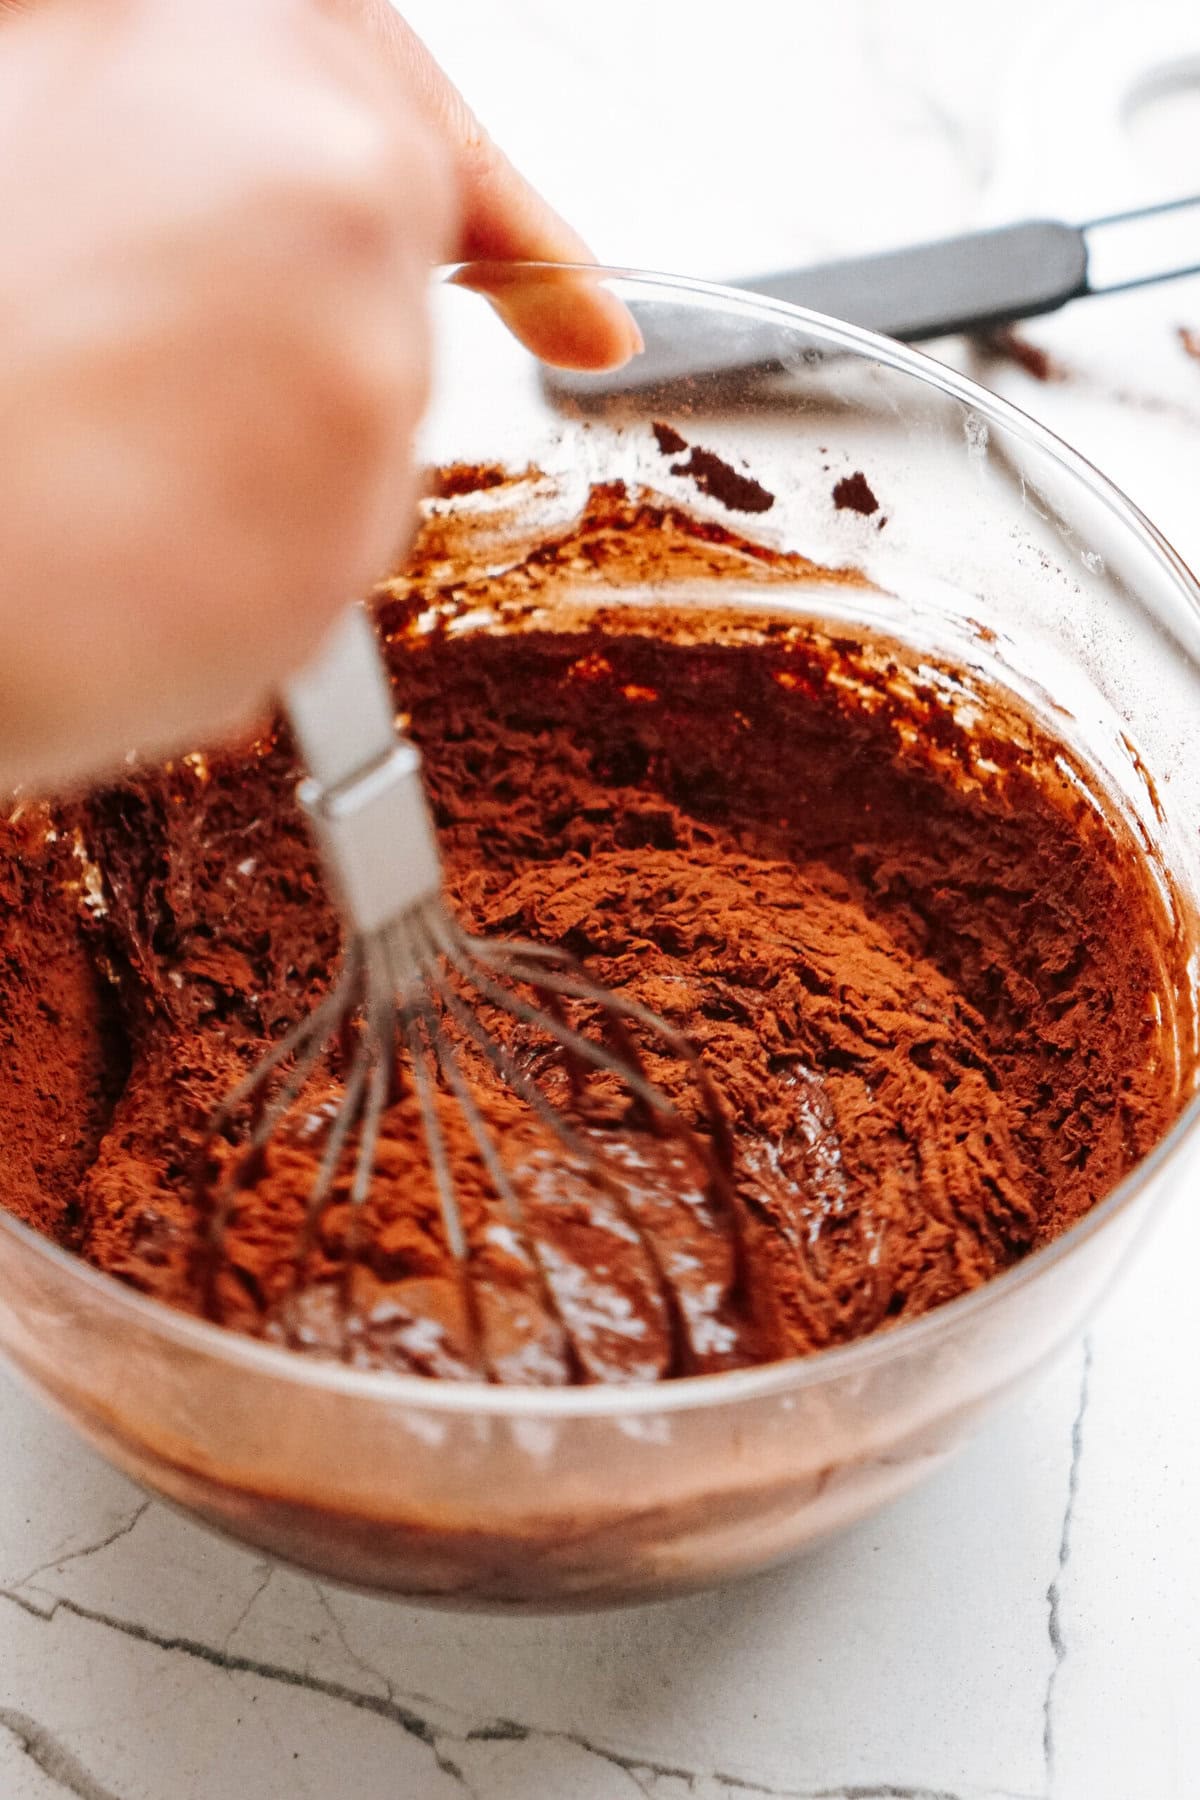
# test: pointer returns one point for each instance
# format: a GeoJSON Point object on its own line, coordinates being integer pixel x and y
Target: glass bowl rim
{"type": "Point", "coordinates": [686, 1393]}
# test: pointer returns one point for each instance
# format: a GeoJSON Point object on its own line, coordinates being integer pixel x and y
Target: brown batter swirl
{"type": "Point", "coordinates": [935, 987]}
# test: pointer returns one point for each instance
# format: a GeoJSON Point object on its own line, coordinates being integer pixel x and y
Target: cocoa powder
{"type": "Point", "coordinates": [934, 985]}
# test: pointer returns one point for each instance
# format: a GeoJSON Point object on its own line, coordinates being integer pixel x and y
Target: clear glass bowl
{"type": "Point", "coordinates": [480, 1496]}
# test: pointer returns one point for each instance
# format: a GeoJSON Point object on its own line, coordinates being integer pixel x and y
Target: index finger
{"type": "Point", "coordinates": [575, 323]}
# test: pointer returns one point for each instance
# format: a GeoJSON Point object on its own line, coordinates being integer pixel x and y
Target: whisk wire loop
{"type": "Point", "coordinates": [415, 991]}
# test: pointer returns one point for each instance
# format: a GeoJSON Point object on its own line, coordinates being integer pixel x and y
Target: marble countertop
{"type": "Point", "coordinates": [1026, 1626]}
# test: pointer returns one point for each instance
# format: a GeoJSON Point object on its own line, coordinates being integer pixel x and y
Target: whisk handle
{"type": "Point", "coordinates": [365, 796]}
{"type": "Point", "coordinates": [340, 705]}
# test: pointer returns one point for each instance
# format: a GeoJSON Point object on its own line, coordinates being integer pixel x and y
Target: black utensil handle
{"type": "Point", "coordinates": [969, 283]}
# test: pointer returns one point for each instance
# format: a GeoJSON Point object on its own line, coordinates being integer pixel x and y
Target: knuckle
{"type": "Point", "coordinates": [356, 226]}
{"type": "Point", "coordinates": [367, 388]}
{"type": "Point", "coordinates": [351, 189]}
{"type": "Point", "coordinates": [384, 192]}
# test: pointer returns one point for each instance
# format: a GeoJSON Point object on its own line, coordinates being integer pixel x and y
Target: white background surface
{"type": "Point", "coordinates": [1027, 1624]}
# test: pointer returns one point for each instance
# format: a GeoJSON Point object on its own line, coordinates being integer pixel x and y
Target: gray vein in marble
{"type": "Point", "coordinates": [268, 1573]}
{"type": "Point", "coordinates": [339, 1630]}
{"type": "Point", "coordinates": [970, 151]}
{"type": "Point", "coordinates": [958, 136]}
{"type": "Point", "coordinates": [871, 1790]}
{"type": "Point", "coordinates": [1154, 405]}
{"type": "Point", "coordinates": [72, 1556]}
{"type": "Point", "coordinates": [644, 1771]}
{"type": "Point", "coordinates": [410, 1722]}
{"type": "Point", "coordinates": [1054, 1627]}
{"type": "Point", "coordinates": [642, 1787]}
{"type": "Point", "coordinates": [52, 1758]}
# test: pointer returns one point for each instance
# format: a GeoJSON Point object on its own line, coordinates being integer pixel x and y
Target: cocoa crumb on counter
{"type": "Point", "coordinates": [1015, 348]}
{"type": "Point", "coordinates": [854, 492]}
{"type": "Point", "coordinates": [668, 439]}
{"type": "Point", "coordinates": [712, 474]}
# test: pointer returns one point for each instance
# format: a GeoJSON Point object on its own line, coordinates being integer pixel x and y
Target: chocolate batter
{"type": "Point", "coordinates": [934, 985]}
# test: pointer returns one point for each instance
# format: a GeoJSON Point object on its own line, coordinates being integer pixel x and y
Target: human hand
{"type": "Point", "coordinates": [218, 223]}
{"type": "Point", "coordinates": [574, 321]}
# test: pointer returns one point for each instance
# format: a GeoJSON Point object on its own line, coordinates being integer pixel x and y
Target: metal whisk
{"type": "Point", "coordinates": [411, 1010]}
